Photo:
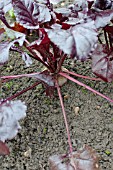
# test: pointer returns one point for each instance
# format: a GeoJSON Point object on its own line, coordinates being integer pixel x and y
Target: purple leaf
{"type": "Point", "coordinates": [85, 37]}
{"type": "Point", "coordinates": [85, 159]}
{"type": "Point", "coordinates": [64, 11]}
{"type": "Point", "coordinates": [2, 14]}
{"type": "Point", "coordinates": [56, 162]}
{"type": "Point", "coordinates": [4, 48]}
{"type": "Point", "coordinates": [6, 45]}
{"type": "Point", "coordinates": [25, 56]}
{"type": "Point", "coordinates": [55, 1]}
{"type": "Point", "coordinates": [102, 64]}
{"type": "Point", "coordinates": [51, 1]}
{"type": "Point", "coordinates": [102, 4]}
{"type": "Point", "coordinates": [27, 59]}
{"type": "Point", "coordinates": [79, 5]}
{"type": "Point", "coordinates": [44, 14]}
{"type": "Point", "coordinates": [103, 18]}
{"type": "Point", "coordinates": [44, 77]}
{"type": "Point", "coordinates": [10, 113]}
{"type": "Point", "coordinates": [78, 41]}
{"type": "Point", "coordinates": [73, 21]}
{"type": "Point", "coordinates": [5, 5]}
{"type": "Point", "coordinates": [26, 12]}
{"type": "Point", "coordinates": [4, 150]}
{"type": "Point", "coordinates": [29, 13]}
{"type": "Point", "coordinates": [62, 38]}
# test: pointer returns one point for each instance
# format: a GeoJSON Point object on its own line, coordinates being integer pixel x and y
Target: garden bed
{"type": "Point", "coordinates": [43, 131]}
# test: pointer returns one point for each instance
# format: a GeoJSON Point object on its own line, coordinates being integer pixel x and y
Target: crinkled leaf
{"type": "Point", "coordinates": [10, 113]}
{"type": "Point", "coordinates": [44, 14]}
{"type": "Point", "coordinates": [102, 64]}
{"type": "Point", "coordinates": [4, 48]}
{"type": "Point", "coordinates": [6, 45]}
{"type": "Point", "coordinates": [29, 13]}
{"type": "Point", "coordinates": [56, 162]}
{"type": "Point", "coordinates": [15, 35]}
{"type": "Point", "coordinates": [77, 41]}
{"type": "Point", "coordinates": [103, 18]}
{"type": "Point", "coordinates": [2, 14]}
{"type": "Point", "coordinates": [5, 5]}
{"type": "Point", "coordinates": [85, 37]}
{"type": "Point", "coordinates": [4, 150]}
{"type": "Point", "coordinates": [102, 4]}
{"type": "Point", "coordinates": [62, 38]}
{"type": "Point", "coordinates": [79, 5]}
{"type": "Point", "coordinates": [85, 159]}
{"type": "Point", "coordinates": [26, 13]}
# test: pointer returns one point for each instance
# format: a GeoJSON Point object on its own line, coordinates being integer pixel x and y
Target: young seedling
{"type": "Point", "coordinates": [60, 33]}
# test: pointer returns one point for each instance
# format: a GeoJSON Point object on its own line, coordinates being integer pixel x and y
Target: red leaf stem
{"type": "Point", "coordinates": [87, 87]}
{"type": "Point", "coordinates": [81, 76]}
{"type": "Point", "coordinates": [65, 118]}
{"type": "Point", "coordinates": [21, 92]}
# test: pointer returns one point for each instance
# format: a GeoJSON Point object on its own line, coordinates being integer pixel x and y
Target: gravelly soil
{"type": "Point", "coordinates": [43, 131]}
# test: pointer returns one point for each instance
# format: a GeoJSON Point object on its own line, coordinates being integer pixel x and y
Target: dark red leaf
{"type": "Point", "coordinates": [109, 29]}
{"type": "Point", "coordinates": [65, 26]}
{"type": "Point", "coordinates": [4, 150]}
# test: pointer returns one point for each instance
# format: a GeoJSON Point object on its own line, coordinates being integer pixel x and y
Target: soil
{"type": "Point", "coordinates": [43, 130]}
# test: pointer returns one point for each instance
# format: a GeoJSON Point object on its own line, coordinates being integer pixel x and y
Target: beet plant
{"type": "Point", "coordinates": [75, 32]}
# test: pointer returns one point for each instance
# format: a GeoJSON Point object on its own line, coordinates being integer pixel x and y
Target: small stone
{"type": "Point", "coordinates": [98, 107]}
{"type": "Point", "coordinates": [66, 96]}
{"type": "Point", "coordinates": [28, 153]}
{"type": "Point", "coordinates": [76, 110]}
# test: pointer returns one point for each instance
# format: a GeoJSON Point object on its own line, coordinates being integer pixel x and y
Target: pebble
{"type": "Point", "coordinates": [28, 153]}
{"type": "Point", "coordinates": [76, 110]}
